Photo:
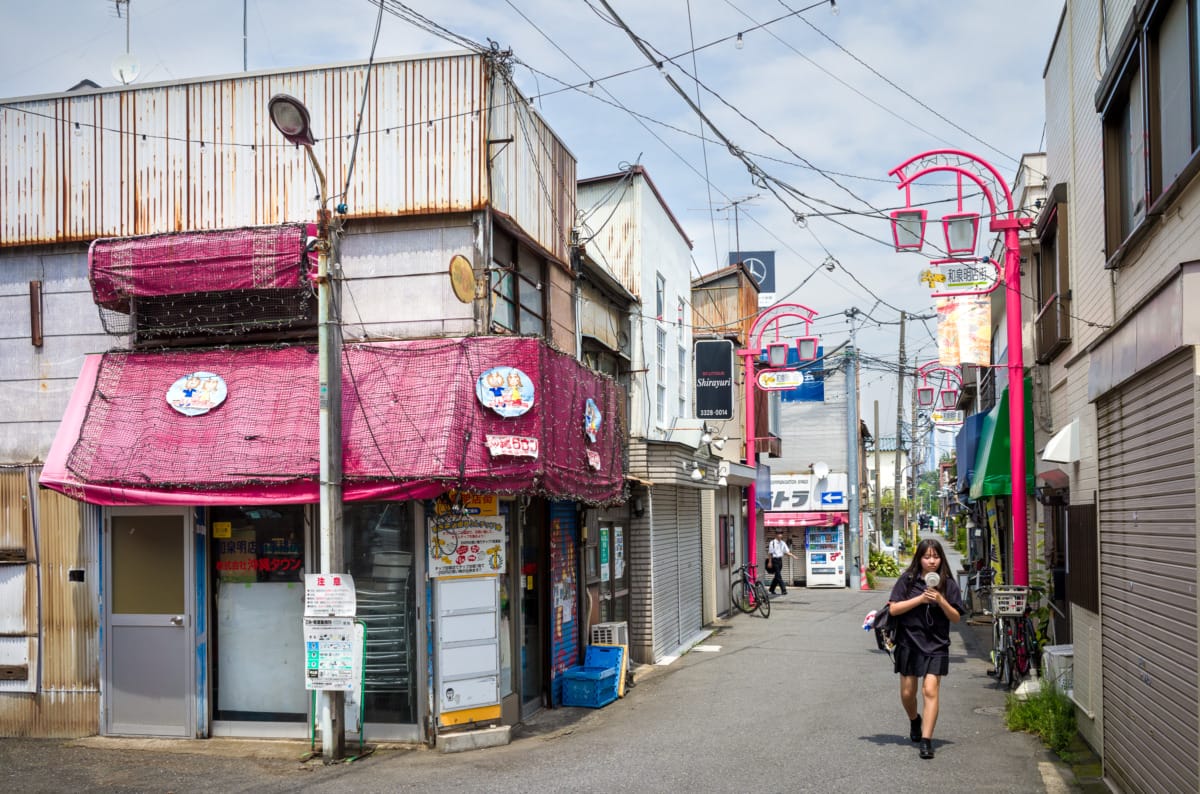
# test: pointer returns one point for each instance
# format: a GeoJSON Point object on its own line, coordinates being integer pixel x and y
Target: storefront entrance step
{"type": "Point", "coordinates": [474, 740]}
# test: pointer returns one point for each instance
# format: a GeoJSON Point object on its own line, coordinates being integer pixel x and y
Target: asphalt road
{"type": "Point", "coordinates": [801, 702]}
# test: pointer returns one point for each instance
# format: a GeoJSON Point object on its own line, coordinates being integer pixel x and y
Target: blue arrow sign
{"type": "Point", "coordinates": [832, 498]}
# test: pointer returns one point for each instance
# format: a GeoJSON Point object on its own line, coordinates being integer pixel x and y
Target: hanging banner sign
{"type": "Point", "coordinates": [593, 460]}
{"type": "Point", "coordinates": [516, 446]}
{"type": "Point", "coordinates": [780, 379]}
{"type": "Point", "coordinates": [476, 504]}
{"type": "Point", "coordinates": [591, 419]}
{"type": "Point", "coordinates": [714, 379]}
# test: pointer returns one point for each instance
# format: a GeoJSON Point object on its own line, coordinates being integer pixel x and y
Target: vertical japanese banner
{"type": "Point", "coordinates": [964, 330]}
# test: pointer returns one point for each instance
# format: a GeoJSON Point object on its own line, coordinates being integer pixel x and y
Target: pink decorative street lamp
{"type": "Point", "coordinates": [948, 395]}
{"type": "Point", "coordinates": [806, 348]}
{"type": "Point", "coordinates": [960, 227]}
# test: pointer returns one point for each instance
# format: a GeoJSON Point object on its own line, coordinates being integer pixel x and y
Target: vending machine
{"type": "Point", "coordinates": [825, 556]}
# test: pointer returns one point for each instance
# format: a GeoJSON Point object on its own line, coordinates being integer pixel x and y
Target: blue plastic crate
{"type": "Point", "coordinates": [603, 656]}
{"type": "Point", "coordinates": [590, 687]}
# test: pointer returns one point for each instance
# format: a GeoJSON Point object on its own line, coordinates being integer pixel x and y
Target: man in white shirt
{"type": "Point", "coordinates": [777, 549]}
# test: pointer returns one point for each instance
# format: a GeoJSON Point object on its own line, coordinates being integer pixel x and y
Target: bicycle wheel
{"type": "Point", "coordinates": [1020, 651]}
{"type": "Point", "coordinates": [1014, 677]}
{"type": "Point", "coordinates": [763, 598]}
{"type": "Point", "coordinates": [741, 596]}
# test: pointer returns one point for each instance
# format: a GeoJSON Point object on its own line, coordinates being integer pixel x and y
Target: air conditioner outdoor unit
{"type": "Point", "coordinates": [611, 633]}
{"type": "Point", "coordinates": [1058, 666]}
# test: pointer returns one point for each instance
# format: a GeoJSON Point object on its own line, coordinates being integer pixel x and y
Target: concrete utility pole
{"type": "Point", "coordinates": [878, 495]}
{"type": "Point", "coordinates": [913, 463]}
{"type": "Point", "coordinates": [854, 541]}
{"type": "Point", "coordinates": [896, 495]}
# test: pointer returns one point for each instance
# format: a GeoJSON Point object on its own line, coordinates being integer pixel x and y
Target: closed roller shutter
{"type": "Point", "coordinates": [665, 570]}
{"type": "Point", "coordinates": [691, 577]}
{"type": "Point", "coordinates": [1147, 579]}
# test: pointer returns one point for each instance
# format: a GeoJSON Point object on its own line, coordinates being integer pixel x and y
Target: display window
{"type": "Point", "coordinates": [257, 564]}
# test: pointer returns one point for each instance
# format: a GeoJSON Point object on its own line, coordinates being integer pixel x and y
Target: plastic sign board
{"type": "Point", "coordinates": [327, 594]}
{"type": "Point", "coordinates": [947, 417]}
{"type": "Point", "coordinates": [780, 379]}
{"type": "Point", "coordinates": [833, 498]}
{"type": "Point", "coordinates": [714, 379]}
{"type": "Point", "coordinates": [961, 277]}
{"type": "Point", "coordinates": [332, 649]}
{"type": "Point", "coordinates": [761, 267]}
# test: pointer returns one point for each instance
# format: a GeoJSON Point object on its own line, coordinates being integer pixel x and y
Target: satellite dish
{"type": "Point", "coordinates": [820, 470]}
{"type": "Point", "coordinates": [126, 68]}
{"type": "Point", "coordinates": [462, 278]}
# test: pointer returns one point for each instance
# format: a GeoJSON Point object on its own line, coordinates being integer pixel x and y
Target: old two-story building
{"type": "Point", "coordinates": [159, 376]}
{"type": "Point", "coordinates": [1117, 282]}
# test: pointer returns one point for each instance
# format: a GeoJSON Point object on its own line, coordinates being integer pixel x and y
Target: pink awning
{"type": "Point", "coordinates": [251, 258]}
{"type": "Point", "coordinates": [805, 519]}
{"type": "Point", "coordinates": [411, 426]}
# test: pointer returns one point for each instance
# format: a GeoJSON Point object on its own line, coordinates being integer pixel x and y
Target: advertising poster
{"type": "Point", "coordinates": [964, 330]}
{"type": "Point", "coordinates": [461, 545]}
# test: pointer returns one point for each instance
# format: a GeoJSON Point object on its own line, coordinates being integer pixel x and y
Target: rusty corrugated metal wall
{"type": "Point", "coordinates": [203, 154]}
{"type": "Point", "coordinates": [60, 616]}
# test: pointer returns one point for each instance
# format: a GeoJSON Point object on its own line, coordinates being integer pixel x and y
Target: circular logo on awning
{"type": "Point", "coordinates": [506, 390]}
{"type": "Point", "coordinates": [197, 393]}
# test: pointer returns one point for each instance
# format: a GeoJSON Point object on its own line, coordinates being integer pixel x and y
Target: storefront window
{"type": "Point", "coordinates": [258, 602]}
{"type": "Point", "coordinates": [380, 558]}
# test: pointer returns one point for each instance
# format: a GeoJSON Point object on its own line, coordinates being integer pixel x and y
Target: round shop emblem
{"type": "Point", "coordinates": [197, 393]}
{"type": "Point", "coordinates": [506, 390]}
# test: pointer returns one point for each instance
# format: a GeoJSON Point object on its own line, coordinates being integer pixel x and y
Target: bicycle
{"type": "Point", "coordinates": [1014, 637]}
{"type": "Point", "coordinates": [748, 592]}
{"type": "Point", "coordinates": [979, 591]}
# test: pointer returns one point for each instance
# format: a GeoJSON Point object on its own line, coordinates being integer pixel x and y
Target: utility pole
{"type": "Point", "coordinates": [878, 495]}
{"type": "Point", "coordinates": [896, 495]}
{"type": "Point", "coordinates": [854, 541]}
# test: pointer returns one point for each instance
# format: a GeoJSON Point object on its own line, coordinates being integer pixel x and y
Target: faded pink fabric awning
{"type": "Point", "coordinates": [412, 426]}
{"type": "Point", "coordinates": [805, 519]}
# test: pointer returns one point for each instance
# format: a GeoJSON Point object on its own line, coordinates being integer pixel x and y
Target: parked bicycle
{"type": "Point", "coordinates": [979, 591]}
{"type": "Point", "coordinates": [1014, 637]}
{"type": "Point", "coordinates": [748, 591]}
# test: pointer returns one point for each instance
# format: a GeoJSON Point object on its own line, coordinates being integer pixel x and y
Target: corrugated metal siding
{"type": "Point", "coordinates": [666, 569]}
{"type": "Point", "coordinates": [689, 570]}
{"type": "Point", "coordinates": [69, 537]}
{"type": "Point", "coordinates": [708, 555]}
{"type": "Point", "coordinates": [16, 516]}
{"type": "Point", "coordinates": [1148, 579]}
{"type": "Point", "coordinates": [51, 715]}
{"type": "Point", "coordinates": [204, 155]}
{"type": "Point", "coordinates": [612, 230]}
{"type": "Point", "coordinates": [533, 177]}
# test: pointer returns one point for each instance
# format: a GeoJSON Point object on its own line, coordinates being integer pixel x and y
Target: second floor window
{"type": "Point", "coordinates": [517, 279]}
{"type": "Point", "coordinates": [1052, 279]}
{"type": "Point", "coordinates": [661, 380]}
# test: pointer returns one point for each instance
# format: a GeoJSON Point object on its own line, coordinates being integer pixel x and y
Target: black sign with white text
{"type": "Point", "coordinates": [714, 379]}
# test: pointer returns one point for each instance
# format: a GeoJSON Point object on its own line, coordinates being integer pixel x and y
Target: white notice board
{"type": "Point", "coordinates": [468, 642]}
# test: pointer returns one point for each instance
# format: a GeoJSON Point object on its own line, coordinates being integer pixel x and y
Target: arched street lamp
{"type": "Point", "coordinates": [290, 117]}
{"type": "Point", "coordinates": [947, 396]}
{"type": "Point", "coordinates": [959, 227]}
{"type": "Point", "coordinates": [769, 320]}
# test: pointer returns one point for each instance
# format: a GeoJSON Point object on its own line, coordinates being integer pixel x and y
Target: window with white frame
{"type": "Point", "coordinates": [661, 412]}
{"type": "Point", "coordinates": [660, 297]}
{"type": "Point", "coordinates": [683, 382]}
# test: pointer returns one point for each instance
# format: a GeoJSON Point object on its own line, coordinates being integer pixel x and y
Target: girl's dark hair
{"type": "Point", "coordinates": [913, 571]}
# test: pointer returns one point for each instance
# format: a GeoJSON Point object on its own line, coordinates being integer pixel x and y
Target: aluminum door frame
{"type": "Point", "coordinates": [188, 729]}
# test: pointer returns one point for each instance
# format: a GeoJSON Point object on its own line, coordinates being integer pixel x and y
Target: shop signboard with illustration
{"type": "Point", "coordinates": [466, 545]}
{"type": "Point", "coordinates": [506, 390]}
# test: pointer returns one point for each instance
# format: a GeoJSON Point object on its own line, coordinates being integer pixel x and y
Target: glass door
{"type": "Point", "coordinates": [533, 554]}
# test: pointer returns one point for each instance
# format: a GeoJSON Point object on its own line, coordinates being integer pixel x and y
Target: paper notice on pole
{"type": "Point", "coordinates": [332, 648]}
{"type": "Point", "coordinates": [327, 594]}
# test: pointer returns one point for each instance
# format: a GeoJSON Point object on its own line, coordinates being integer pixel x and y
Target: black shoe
{"type": "Point", "coordinates": [783, 593]}
{"type": "Point", "coordinates": [927, 748]}
{"type": "Point", "coordinates": [914, 729]}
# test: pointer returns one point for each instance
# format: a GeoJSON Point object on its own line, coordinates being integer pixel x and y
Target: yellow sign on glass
{"type": "Point", "coordinates": [222, 529]}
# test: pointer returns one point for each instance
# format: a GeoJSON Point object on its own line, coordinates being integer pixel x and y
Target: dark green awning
{"type": "Point", "coordinates": [993, 466]}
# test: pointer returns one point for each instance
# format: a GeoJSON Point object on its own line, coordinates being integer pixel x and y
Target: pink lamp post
{"type": "Point", "coordinates": [960, 228]}
{"type": "Point", "coordinates": [952, 386]}
{"type": "Point", "coordinates": [806, 348]}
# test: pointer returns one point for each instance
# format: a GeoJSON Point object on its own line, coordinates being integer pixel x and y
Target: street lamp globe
{"type": "Point", "coordinates": [290, 117]}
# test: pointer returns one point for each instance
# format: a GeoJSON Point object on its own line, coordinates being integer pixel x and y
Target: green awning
{"type": "Point", "coordinates": [993, 466]}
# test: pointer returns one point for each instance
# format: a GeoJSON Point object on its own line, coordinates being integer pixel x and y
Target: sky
{"type": "Point", "coordinates": [826, 101]}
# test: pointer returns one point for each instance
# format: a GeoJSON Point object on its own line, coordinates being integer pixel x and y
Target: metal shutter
{"type": "Point", "coordinates": [691, 577]}
{"type": "Point", "coordinates": [665, 569]}
{"type": "Point", "coordinates": [1148, 604]}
